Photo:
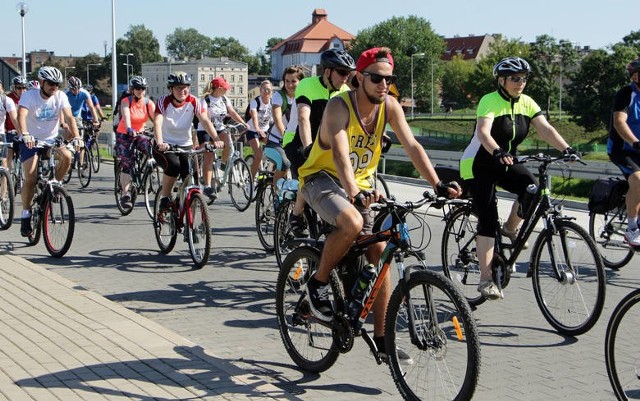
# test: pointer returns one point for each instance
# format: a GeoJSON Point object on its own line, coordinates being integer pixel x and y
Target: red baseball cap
{"type": "Point", "coordinates": [369, 57]}
{"type": "Point", "coordinates": [220, 83]}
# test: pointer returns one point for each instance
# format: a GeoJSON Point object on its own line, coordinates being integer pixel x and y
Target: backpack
{"type": "Point", "coordinates": [208, 101]}
{"type": "Point", "coordinates": [247, 112]}
{"type": "Point", "coordinates": [606, 194]}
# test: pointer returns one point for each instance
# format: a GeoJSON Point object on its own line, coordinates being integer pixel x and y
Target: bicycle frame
{"type": "Point", "coordinates": [186, 189]}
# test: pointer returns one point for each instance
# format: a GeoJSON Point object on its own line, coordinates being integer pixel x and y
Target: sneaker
{"type": "Point", "coordinates": [25, 227]}
{"type": "Point", "coordinates": [489, 290]}
{"type": "Point", "coordinates": [210, 193]}
{"type": "Point", "coordinates": [298, 226]}
{"type": "Point", "coordinates": [403, 357]}
{"type": "Point", "coordinates": [512, 235]}
{"type": "Point", "coordinates": [318, 298]}
{"type": "Point", "coordinates": [632, 237]}
{"type": "Point", "coordinates": [165, 205]}
{"type": "Point", "coordinates": [126, 202]}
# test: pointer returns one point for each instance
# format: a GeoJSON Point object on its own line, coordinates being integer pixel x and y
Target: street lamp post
{"type": "Point", "coordinates": [412, 102]}
{"type": "Point", "coordinates": [23, 8]}
{"type": "Point", "coordinates": [128, 65]}
{"type": "Point", "coordinates": [88, 65]}
{"type": "Point", "coordinates": [65, 72]}
{"type": "Point", "coordinates": [432, 86]}
{"type": "Point", "coordinates": [127, 55]}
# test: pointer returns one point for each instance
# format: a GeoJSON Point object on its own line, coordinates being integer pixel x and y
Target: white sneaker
{"type": "Point", "coordinates": [512, 235]}
{"type": "Point", "coordinates": [489, 290]}
{"type": "Point", "coordinates": [632, 237]}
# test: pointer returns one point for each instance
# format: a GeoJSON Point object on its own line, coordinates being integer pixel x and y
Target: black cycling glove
{"type": "Point", "coordinates": [499, 153]}
{"type": "Point", "coordinates": [571, 152]}
{"type": "Point", "coordinates": [360, 197]}
{"type": "Point", "coordinates": [442, 188]}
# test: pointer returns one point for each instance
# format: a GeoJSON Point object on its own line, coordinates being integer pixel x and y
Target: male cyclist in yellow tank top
{"type": "Point", "coordinates": [345, 153]}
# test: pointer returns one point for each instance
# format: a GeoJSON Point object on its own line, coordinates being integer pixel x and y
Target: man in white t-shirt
{"type": "Point", "coordinates": [38, 120]}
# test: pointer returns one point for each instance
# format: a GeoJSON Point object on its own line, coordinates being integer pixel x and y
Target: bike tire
{"type": "Point", "coordinates": [165, 226]}
{"type": "Point", "coordinates": [198, 230]}
{"type": "Point", "coordinates": [96, 159]}
{"type": "Point", "coordinates": [621, 347]}
{"type": "Point", "coordinates": [573, 304]}
{"type": "Point", "coordinates": [36, 225]}
{"type": "Point", "coordinates": [297, 327]}
{"type": "Point", "coordinates": [381, 185]}
{"type": "Point", "coordinates": [607, 230]}
{"type": "Point", "coordinates": [117, 192]}
{"type": "Point", "coordinates": [58, 222]}
{"type": "Point", "coordinates": [458, 253]}
{"type": "Point", "coordinates": [265, 215]}
{"type": "Point", "coordinates": [7, 199]}
{"type": "Point", "coordinates": [73, 166]}
{"type": "Point", "coordinates": [446, 355]}
{"type": "Point", "coordinates": [240, 185]}
{"type": "Point", "coordinates": [84, 170]}
{"type": "Point", "coordinates": [282, 233]}
{"type": "Point", "coordinates": [152, 182]}
{"type": "Point", "coordinates": [18, 179]}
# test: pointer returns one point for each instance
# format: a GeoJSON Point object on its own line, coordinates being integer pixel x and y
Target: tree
{"type": "Point", "coordinates": [407, 36]}
{"type": "Point", "coordinates": [188, 43]}
{"type": "Point", "coordinates": [140, 42]}
{"type": "Point", "coordinates": [455, 81]}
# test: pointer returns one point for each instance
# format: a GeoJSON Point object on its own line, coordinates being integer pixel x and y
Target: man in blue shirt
{"type": "Point", "coordinates": [78, 98]}
{"type": "Point", "coordinates": [86, 111]}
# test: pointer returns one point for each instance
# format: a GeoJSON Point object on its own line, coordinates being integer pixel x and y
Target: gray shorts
{"type": "Point", "coordinates": [325, 195]}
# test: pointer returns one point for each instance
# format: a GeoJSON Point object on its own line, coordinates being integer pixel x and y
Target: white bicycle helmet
{"type": "Point", "coordinates": [510, 66]}
{"type": "Point", "coordinates": [52, 74]}
{"type": "Point", "coordinates": [178, 78]}
{"type": "Point", "coordinates": [19, 80]}
{"type": "Point", "coordinates": [138, 82]}
{"type": "Point", "coordinates": [33, 84]}
{"type": "Point", "coordinates": [74, 83]}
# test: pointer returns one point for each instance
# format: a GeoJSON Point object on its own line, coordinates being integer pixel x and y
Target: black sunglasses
{"type": "Point", "coordinates": [342, 73]}
{"type": "Point", "coordinates": [51, 83]}
{"type": "Point", "coordinates": [19, 88]}
{"type": "Point", "coordinates": [377, 78]}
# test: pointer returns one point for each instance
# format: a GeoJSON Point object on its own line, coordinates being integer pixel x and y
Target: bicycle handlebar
{"type": "Point", "coordinates": [547, 159]}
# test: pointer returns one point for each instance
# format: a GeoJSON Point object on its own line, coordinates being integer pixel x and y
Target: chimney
{"type": "Point", "coordinates": [318, 15]}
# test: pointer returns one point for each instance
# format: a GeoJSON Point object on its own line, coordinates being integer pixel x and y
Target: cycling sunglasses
{"type": "Point", "coordinates": [377, 78]}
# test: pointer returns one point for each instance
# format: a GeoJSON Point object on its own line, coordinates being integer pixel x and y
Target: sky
{"type": "Point", "coordinates": [79, 27]}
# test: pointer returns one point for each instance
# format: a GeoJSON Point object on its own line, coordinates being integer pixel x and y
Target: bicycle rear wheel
{"type": "Point", "coordinates": [58, 222]}
{"type": "Point", "coordinates": [96, 159]}
{"type": "Point", "coordinates": [240, 185]}
{"type": "Point", "coordinates": [16, 173]}
{"type": "Point", "coordinates": [622, 349]}
{"type": "Point", "coordinates": [151, 186]}
{"type": "Point", "coordinates": [458, 252]}
{"type": "Point", "coordinates": [265, 214]}
{"type": "Point", "coordinates": [571, 303]}
{"type": "Point", "coordinates": [164, 226]}
{"type": "Point", "coordinates": [607, 230]}
{"type": "Point", "coordinates": [73, 166]}
{"type": "Point", "coordinates": [446, 350]}
{"type": "Point", "coordinates": [282, 233]}
{"type": "Point", "coordinates": [6, 199]}
{"type": "Point", "coordinates": [308, 342]}
{"type": "Point", "coordinates": [198, 230]}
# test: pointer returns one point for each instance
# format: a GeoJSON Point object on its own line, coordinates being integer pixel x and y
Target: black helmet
{"type": "Point", "coordinates": [633, 66]}
{"type": "Point", "coordinates": [178, 78]}
{"type": "Point", "coordinates": [334, 58]}
{"type": "Point", "coordinates": [511, 65]}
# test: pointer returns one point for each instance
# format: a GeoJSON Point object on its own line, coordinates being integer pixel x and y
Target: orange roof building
{"type": "Point", "coordinates": [305, 46]}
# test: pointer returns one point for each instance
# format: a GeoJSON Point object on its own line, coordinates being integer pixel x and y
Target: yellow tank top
{"type": "Point", "coordinates": [365, 149]}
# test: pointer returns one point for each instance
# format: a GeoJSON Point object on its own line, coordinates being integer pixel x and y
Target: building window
{"type": "Point", "coordinates": [210, 77]}
{"type": "Point", "coordinates": [202, 77]}
{"type": "Point", "coordinates": [240, 90]}
{"type": "Point", "coordinates": [233, 90]}
{"type": "Point", "coordinates": [233, 78]}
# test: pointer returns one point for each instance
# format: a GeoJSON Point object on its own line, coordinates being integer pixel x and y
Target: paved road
{"type": "Point", "coordinates": [228, 309]}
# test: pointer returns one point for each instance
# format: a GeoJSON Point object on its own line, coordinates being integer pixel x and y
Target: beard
{"type": "Point", "coordinates": [374, 99]}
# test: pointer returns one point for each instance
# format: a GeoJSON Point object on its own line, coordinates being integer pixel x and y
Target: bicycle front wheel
{"type": "Point", "coordinates": [266, 215]}
{"type": "Point", "coordinates": [607, 230]}
{"type": "Point", "coordinates": [282, 232]}
{"type": "Point", "coordinates": [84, 169]}
{"type": "Point", "coordinates": [151, 186]}
{"type": "Point", "coordinates": [621, 349]}
{"type": "Point", "coordinates": [240, 185]}
{"type": "Point", "coordinates": [381, 185]}
{"type": "Point", "coordinates": [458, 251]}
{"type": "Point", "coordinates": [73, 166]}
{"type": "Point", "coordinates": [568, 278]}
{"type": "Point", "coordinates": [6, 199]}
{"type": "Point", "coordinates": [117, 192]}
{"type": "Point", "coordinates": [165, 226]}
{"type": "Point", "coordinates": [308, 341]}
{"type": "Point", "coordinates": [199, 231]}
{"type": "Point", "coordinates": [17, 178]}
{"type": "Point", "coordinates": [446, 349]}
{"type": "Point", "coordinates": [96, 159]}
{"type": "Point", "coordinates": [58, 222]}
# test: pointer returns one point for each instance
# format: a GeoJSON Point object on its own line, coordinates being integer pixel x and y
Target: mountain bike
{"type": "Point", "coordinates": [91, 146]}
{"type": "Point", "coordinates": [427, 315]}
{"type": "Point", "coordinates": [566, 269]}
{"type": "Point", "coordinates": [267, 204]}
{"type": "Point", "coordinates": [145, 179]}
{"type": "Point", "coordinates": [81, 162]}
{"type": "Point", "coordinates": [607, 229]}
{"type": "Point", "coordinates": [621, 349]}
{"type": "Point", "coordinates": [236, 175]}
{"type": "Point", "coordinates": [187, 209]}
{"type": "Point", "coordinates": [52, 212]}
{"type": "Point", "coordinates": [7, 194]}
